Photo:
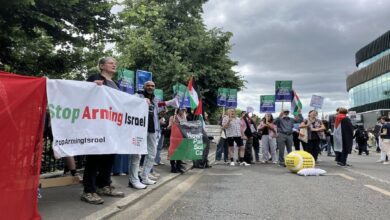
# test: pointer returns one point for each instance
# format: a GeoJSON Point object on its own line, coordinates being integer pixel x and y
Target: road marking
{"type": "Point", "coordinates": [346, 176]}
{"type": "Point", "coordinates": [224, 174]}
{"type": "Point", "coordinates": [369, 176]}
{"type": "Point", "coordinates": [342, 175]}
{"type": "Point", "coordinates": [158, 208]}
{"type": "Point", "coordinates": [385, 192]}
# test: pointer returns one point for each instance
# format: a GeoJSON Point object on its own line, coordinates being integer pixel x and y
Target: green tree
{"type": "Point", "coordinates": [54, 38]}
{"type": "Point", "coordinates": [169, 38]}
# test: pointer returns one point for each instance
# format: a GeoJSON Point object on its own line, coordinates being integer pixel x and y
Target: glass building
{"type": "Point", "coordinates": [369, 86]}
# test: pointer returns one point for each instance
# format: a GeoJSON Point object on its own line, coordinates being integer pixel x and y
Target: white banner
{"type": "Point", "coordinates": [91, 119]}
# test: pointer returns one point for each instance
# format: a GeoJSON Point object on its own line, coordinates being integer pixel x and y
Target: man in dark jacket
{"type": "Point", "coordinates": [361, 137]}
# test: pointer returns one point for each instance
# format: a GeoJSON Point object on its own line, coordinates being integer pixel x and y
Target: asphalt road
{"type": "Point", "coordinates": [266, 191]}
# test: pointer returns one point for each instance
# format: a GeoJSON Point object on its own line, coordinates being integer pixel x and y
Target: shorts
{"type": "Point", "coordinates": [238, 141]}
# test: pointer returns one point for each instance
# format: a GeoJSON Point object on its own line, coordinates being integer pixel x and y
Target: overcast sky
{"type": "Point", "coordinates": [311, 42]}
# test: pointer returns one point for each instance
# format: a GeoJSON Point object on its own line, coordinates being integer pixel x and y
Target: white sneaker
{"type": "Point", "coordinates": [154, 173]}
{"type": "Point", "coordinates": [148, 181]}
{"type": "Point", "coordinates": [232, 163]}
{"type": "Point", "coordinates": [137, 185]}
{"type": "Point", "coordinates": [386, 163]}
{"type": "Point", "coordinates": [244, 164]}
{"type": "Point", "coordinates": [380, 161]}
{"type": "Point", "coordinates": [152, 177]}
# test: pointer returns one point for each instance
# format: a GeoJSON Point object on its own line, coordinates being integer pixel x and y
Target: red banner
{"type": "Point", "coordinates": [22, 110]}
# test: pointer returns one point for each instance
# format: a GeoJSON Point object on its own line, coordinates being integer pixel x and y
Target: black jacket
{"type": "Point", "coordinates": [100, 77]}
{"type": "Point", "coordinates": [347, 133]}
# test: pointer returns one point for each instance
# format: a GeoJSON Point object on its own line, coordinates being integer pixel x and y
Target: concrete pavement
{"type": "Point", "coordinates": [64, 202]}
{"type": "Point", "coordinates": [266, 191]}
{"type": "Point", "coordinates": [233, 186]}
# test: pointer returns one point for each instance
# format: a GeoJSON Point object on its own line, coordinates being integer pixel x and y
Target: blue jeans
{"type": "Point", "coordinates": [222, 147]}
{"type": "Point", "coordinates": [159, 148]}
{"type": "Point", "coordinates": [134, 168]}
{"type": "Point", "coordinates": [329, 145]}
{"type": "Point", "coordinates": [149, 158]}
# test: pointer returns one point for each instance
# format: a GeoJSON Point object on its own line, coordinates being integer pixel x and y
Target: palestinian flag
{"type": "Point", "coordinates": [186, 141]}
{"type": "Point", "coordinates": [295, 103]}
{"type": "Point", "coordinates": [199, 112]}
{"type": "Point", "coordinates": [194, 99]}
{"type": "Point", "coordinates": [337, 134]}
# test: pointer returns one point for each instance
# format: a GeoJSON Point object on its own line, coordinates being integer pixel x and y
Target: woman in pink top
{"type": "Point", "coordinates": [268, 138]}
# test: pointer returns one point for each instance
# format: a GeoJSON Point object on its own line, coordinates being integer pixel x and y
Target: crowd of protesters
{"type": "Point", "coordinates": [99, 168]}
{"type": "Point", "coordinates": [272, 137]}
{"type": "Point", "coordinates": [262, 140]}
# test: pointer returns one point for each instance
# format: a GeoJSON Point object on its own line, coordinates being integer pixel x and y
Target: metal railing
{"type": "Point", "coordinates": [48, 162]}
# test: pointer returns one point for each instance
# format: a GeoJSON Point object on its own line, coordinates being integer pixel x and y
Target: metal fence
{"type": "Point", "coordinates": [49, 164]}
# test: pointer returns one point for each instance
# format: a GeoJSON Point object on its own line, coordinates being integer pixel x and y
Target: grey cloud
{"type": "Point", "coordinates": [310, 42]}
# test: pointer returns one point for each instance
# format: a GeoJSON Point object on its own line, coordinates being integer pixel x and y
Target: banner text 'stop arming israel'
{"type": "Point", "coordinates": [283, 91]}
{"type": "Point", "coordinates": [84, 123]}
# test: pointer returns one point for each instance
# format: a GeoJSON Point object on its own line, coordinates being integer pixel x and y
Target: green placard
{"type": "Point", "coordinates": [222, 96]}
{"type": "Point", "coordinates": [232, 99]}
{"type": "Point", "coordinates": [267, 104]}
{"type": "Point", "coordinates": [181, 92]}
{"type": "Point", "coordinates": [125, 80]}
{"type": "Point", "coordinates": [159, 94]}
{"type": "Point", "coordinates": [283, 91]}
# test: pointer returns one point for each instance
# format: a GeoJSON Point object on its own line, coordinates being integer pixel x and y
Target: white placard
{"type": "Point", "coordinates": [316, 101]}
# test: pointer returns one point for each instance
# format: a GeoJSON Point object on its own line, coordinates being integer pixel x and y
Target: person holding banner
{"type": "Point", "coordinates": [153, 129]}
{"type": "Point", "coordinates": [232, 125]}
{"type": "Point", "coordinates": [285, 126]}
{"type": "Point", "coordinates": [179, 116]}
{"type": "Point", "coordinates": [97, 172]}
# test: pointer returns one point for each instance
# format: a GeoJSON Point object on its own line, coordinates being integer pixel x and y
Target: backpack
{"type": "Point", "coordinates": [361, 136]}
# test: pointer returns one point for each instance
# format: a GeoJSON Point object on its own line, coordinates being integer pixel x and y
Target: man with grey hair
{"type": "Point", "coordinates": [285, 126]}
